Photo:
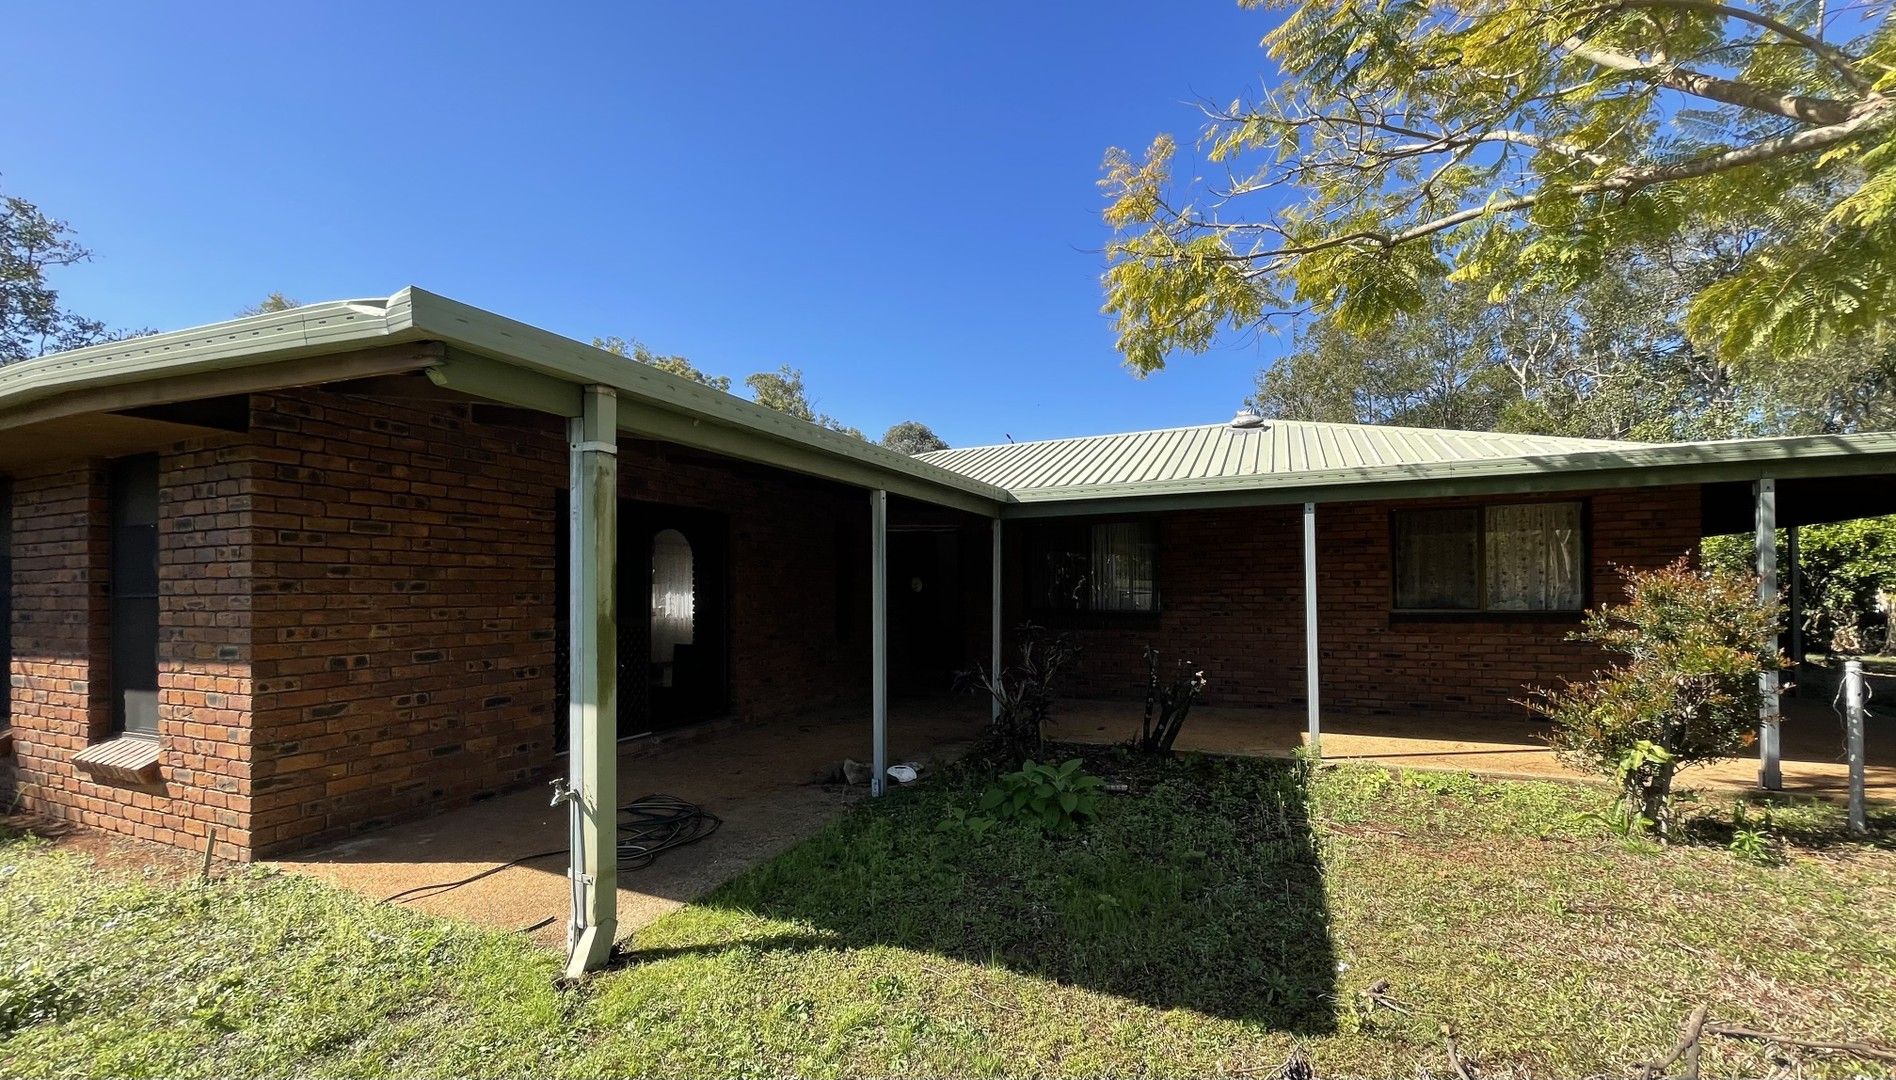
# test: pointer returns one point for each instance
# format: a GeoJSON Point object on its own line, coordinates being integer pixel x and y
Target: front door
{"type": "Point", "coordinates": [673, 589]}
{"type": "Point", "coordinates": [924, 611]}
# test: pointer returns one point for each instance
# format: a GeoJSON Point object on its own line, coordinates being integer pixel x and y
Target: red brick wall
{"type": "Point", "coordinates": [790, 539]}
{"type": "Point", "coordinates": [61, 683]}
{"type": "Point", "coordinates": [404, 613]}
{"type": "Point", "coordinates": [1232, 589]}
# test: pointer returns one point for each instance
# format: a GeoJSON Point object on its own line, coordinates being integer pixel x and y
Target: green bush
{"type": "Point", "coordinates": [1058, 798]}
{"type": "Point", "coordinates": [1845, 566]}
{"type": "Point", "coordinates": [1686, 691]}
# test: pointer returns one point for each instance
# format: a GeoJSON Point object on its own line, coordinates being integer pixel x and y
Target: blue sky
{"type": "Point", "coordinates": [898, 199]}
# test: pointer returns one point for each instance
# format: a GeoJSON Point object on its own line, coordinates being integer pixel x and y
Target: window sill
{"type": "Point", "coordinates": [1486, 616]}
{"type": "Point", "coordinates": [129, 759]}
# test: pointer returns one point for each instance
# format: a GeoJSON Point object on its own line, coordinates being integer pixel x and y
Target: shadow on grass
{"type": "Point", "coordinates": [1806, 824]}
{"type": "Point", "coordinates": [1200, 888]}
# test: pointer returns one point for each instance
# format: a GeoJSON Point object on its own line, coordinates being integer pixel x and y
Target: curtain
{"type": "Point", "coordinates": [1436, 560]}
{"type": "Point", "coordinates": [1533, 555]}
{"type": "Point", "coordinates": [1123, 577]}
{"type": "Point", "coordinates": [672, 608]}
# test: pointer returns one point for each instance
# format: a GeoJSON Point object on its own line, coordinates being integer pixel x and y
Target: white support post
{"type": "Point", "coordinates": [1311, 681]}
{"type": "Point", "coordinates": [1853, 701]}
{"type": "Point", "coordinates": [994, 623]}
{"type": "Point", "coordinates": [1797, 596]}
{"type": "Point", "coordinates": [879, 635]}
{"type": "Point", "coordinates": [592, 793]}
{"type": "Point", "coordinates": [1770, 774]}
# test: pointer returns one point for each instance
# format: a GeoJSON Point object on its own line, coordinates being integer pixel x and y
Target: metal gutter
{"type": "Point", "coordinates": [665, 406]}
{"type": "Point", "coordinates": [252, 341]}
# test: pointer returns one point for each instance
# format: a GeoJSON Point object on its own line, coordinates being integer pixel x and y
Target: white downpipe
{"type": "Point", "coordinates": [994, 623]}
{"type": "Point", "coordinates": [879, 630]}
{"type": "Point", "coordinates": [1770, 773]}
{"type": "Point", "coordinates": [1310, 627]}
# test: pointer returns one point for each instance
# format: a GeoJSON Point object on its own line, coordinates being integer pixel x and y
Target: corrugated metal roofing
{"type": "Point", "coordinates": [1278, 448]}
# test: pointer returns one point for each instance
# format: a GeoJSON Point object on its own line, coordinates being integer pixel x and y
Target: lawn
{"type": "Point", "coordinates": [1214, 918]}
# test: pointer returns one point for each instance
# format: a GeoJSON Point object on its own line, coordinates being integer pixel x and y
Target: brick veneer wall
{"type": "Point", "coordinates": [1231, 583]}
{"type": "Point", "coordinates": [404, 612]}
{"type": "Point", "coordinates": [61, 698]}
{"type": "Point", "coordinates": [799, 551]}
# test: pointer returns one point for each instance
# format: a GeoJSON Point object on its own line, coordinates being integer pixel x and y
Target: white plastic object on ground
{"type": "Point", "coordinates": [902, 774]}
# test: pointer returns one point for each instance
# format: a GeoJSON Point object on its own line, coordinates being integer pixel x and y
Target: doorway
{"type": "Point", "coordinates": [925, 627]}
{"type": "Point", "coordinates": [674, 585]}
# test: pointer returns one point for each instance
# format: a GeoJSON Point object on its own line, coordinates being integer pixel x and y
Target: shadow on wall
{"type": "Point", "coordinates": [1199, 889]}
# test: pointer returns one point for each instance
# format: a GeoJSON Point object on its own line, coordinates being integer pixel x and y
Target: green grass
{"type": "Point", "coordinates": [1213, 919]}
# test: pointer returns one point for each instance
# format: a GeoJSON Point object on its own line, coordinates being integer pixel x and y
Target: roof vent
{"type": "Point", "coordinates": [1247, 419]}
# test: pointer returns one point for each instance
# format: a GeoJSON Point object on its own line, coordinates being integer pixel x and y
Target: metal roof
{"type": "Point", "coordinates": [1277, 449]}
{"type": "Point", "coordinates": [486, 355]}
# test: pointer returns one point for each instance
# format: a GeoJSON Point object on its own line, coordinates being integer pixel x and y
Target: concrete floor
{"type": "Point", "coordinates": [760, 778]}
{"type": "Point", "coordinates": [1812, 743]}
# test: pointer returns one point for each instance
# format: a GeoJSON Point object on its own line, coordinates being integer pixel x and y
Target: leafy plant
{"type": "Point", "coordinates": [1753, 840]}
{"type": "Point", "coordinates": [1167, 703]}
{"type": "Point", "coordinates": [957, 819]}
{"type": "Point", "coordinates": [1057, 798]}
{"type": "Point", "coordinates": [1025, 692]}
{"type": "Point", "coordinates": [1848, 570]}
{"type": "Point", "coordinates": [1687, 691]}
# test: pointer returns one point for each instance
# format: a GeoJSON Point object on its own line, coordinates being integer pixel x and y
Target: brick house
{"type": "Point", "coordinates": [296, 575]}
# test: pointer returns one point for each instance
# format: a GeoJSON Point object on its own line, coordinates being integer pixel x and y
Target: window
{"type": "Point", "coordinates": [672, 600]}
{"type": "Point", "coordinates": [6, 598]}
{"type": "Point", "coordinates": [1105, 567]}
{"type": "Point", "coordinates": [134, 503]}
{"type": "Point", "coordinates": [1510, 557]}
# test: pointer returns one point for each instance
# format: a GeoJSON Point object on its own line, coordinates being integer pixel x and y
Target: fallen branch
{"type": "Point", "coordinates": [1867, 1051]}
{"type": "Point", "coordinates": [1378, 994]}
{"type": "Point", "coordinates": [1687, 1047]}
{"type": "Point", "coordinates": [1462, 1068]}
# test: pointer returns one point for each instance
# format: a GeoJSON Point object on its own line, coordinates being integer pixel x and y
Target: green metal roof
{"type": "Point", "coordinates": [1276, 449]}
{"type": "Point", "coordinates": [486, 355]}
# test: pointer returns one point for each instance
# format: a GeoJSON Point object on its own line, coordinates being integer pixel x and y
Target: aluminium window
{"type": "Point", "coordinates": [1508, 557]}
{"type": "Point", "coordinates": [1108, 567]}
{"type": "Point", "coordinates": [133, 495]}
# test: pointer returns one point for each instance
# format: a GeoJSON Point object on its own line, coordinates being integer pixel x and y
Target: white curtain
{"type": "Point", "coordinates": [671, 597]}
{"type": "Point", "coordinates": [1533, 557]}
{"type": "Point", "coordinates": [1122, 568]}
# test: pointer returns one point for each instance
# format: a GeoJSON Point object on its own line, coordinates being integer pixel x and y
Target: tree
{"type": "Point", "coordinates": [32, 322]}
{"type": "Point", "coordinates": [675, 365]}
{"type": "Point", "coordinates": [912, 437]}
{"type": "Point", "coordinates": [1520, 146]}
{"type": "Point", "coordinates": [783, 391]}
{"type": "Point", "coordinates": [274, 302]}
{"type": "Point", "coordinates": [1608, 360]}
{"type": "Point", "coordinates": [1688, 690]}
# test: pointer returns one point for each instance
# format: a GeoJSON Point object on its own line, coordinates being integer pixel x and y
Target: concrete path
{"type": "Point", "coordinates": [760, 778]}
{"type": "Point", "coordinates": [1812, 755]}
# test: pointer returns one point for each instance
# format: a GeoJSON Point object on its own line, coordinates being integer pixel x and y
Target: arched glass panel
{"type": "Point", "coordinates": [672, 601]}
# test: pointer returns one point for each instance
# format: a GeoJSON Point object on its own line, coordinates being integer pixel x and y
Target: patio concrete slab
{"type": "Point", "coordinates": [1813, 761]}
{"type": "Point", "coordinates": [758, 777]}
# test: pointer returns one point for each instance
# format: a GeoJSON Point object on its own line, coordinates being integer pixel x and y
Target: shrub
{"type": "Point", "coordinates": [1057, 798]}
{"type": "Point", "coordinates": [1848, 568]}
{"type": "Point", "coordinates": [1025, 692]}
{"type": "Point", "coordinates": [1167, 703]}
{"type": "Point", "coordinates": [1687, 691]}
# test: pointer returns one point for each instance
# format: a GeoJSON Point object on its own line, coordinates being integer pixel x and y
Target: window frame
{"type": "Point", "coordinates": [1481, 612]}
{"type": "Point", "coordinates": [119, 470]}
{"type": "Point", "coordinates": [1081, 530]}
